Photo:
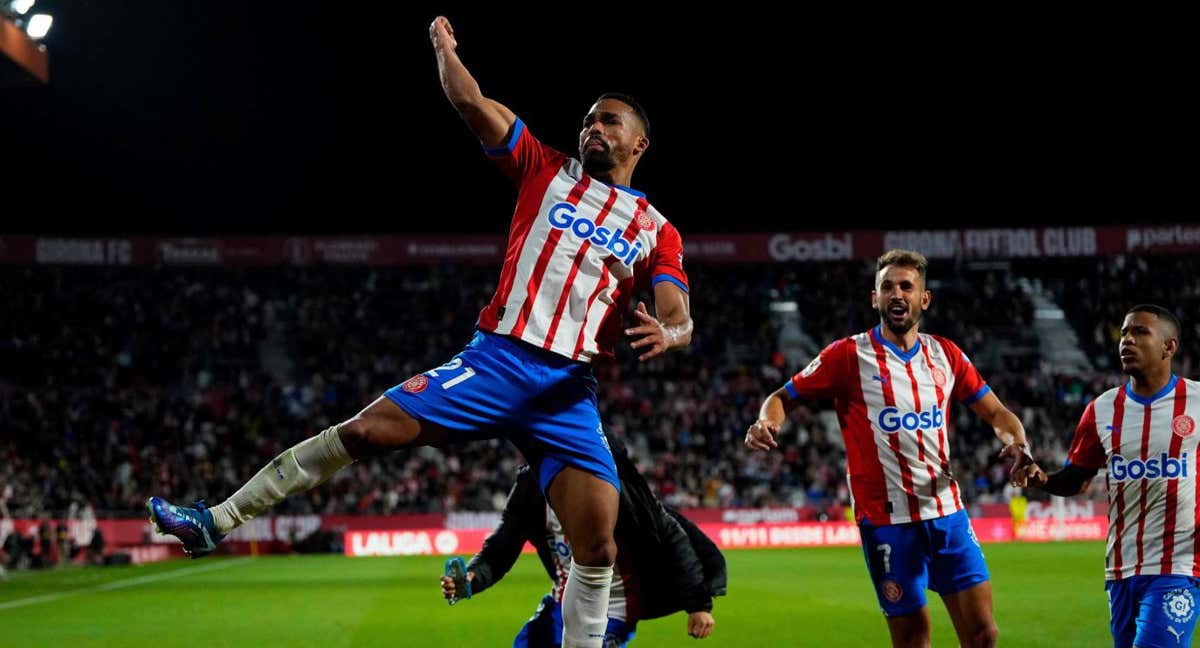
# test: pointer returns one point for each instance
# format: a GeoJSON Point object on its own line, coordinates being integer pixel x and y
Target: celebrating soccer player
{"type": "Point", "coordinates": [892, 387]}
{"type": "Point", "coordinates": [581, 243]}
{"type": "Point", "coordinates": [1144, 432]}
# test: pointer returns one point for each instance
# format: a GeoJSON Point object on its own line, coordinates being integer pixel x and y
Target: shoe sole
{"type": "Point", "coordinates": [150, 511]}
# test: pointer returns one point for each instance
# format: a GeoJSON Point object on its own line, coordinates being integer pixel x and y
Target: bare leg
{"type": "Point", "coordinates": [910, 630]}
{"type": "Point", "coordinates": [971, 612]}
{"type": "Point", "coordinates": [587, 508]}
{"type": "Point", "coordinates": [380, 428]}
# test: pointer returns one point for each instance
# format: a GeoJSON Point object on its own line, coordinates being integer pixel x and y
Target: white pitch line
{"type": "Point", "coordinates": [128, 582]}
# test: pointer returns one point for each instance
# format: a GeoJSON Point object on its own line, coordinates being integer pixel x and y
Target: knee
{"type": "Point", "coordinates": [361, 437]}
{"type": "Point", "coordinates": [596, 552]}
{"type": "Point", "coordinates": [987, 635]}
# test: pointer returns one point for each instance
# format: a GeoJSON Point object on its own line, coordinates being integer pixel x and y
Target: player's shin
{"type": "Point", "coordinates": [585, 606]}
{"type": "Point", "coordinates": [297, 469]}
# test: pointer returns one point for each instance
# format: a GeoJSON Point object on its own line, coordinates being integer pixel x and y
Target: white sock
{"type": "Point", "coordinates": [585, 606]}
{"type": "Point", "coordinates": [297, 469]}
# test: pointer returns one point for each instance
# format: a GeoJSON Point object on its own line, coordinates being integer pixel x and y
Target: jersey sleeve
{"type": "Point", "coordinates": [969, 385]}
{"type": "Point", "coordinates": [522, 155]}
{"type": "Point", "coordinates": [827, 375]}
{"type": "Point", "coordinates": [1086, 449]}
{"type": "Point", "coordinates": [666, 259]}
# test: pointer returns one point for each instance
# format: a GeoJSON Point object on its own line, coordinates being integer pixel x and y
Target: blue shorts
{"type": "Point", "coordinates": [501, 387]}
{"type": "Point", "coordinates": [1153, 611]}
{"type": "Point", "coordinates": [904, 559]}
{"type": "Point", "coordinates": [544, 629]}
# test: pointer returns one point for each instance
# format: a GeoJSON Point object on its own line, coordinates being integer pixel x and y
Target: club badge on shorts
{"type": "Point", "coordinates": [892, 591]}
{"type": "Point", "coordinates": [416, 384]}
{"type": "Point", "coordinates": [1178, 605]}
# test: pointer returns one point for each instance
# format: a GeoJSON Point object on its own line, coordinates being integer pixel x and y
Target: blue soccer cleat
{"type": "Point", "coordinates": [193, 526]}
{"type": "Point", "coordinates": [456, 570]}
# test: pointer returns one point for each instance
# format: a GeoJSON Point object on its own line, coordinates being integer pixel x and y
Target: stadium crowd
{"type": "Point", "coordinates": [118, 383]}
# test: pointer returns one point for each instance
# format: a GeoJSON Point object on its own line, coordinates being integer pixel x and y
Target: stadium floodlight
{"type": "Point", "coordinates": [22, 7]}
{"type": "Point", "coordinates": [39, 25]}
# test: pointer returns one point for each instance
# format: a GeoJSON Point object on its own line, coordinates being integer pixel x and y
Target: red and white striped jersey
{"type": "Point", "coordinates": [894, 410]}
{"type": "Point", "coordinates": [577, 250]}
{"type": "Point", "coordinates": [1149, 447]}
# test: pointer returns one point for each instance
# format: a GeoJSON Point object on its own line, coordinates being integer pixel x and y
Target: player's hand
{"type": "Point", "coordinates": [448, 590]}
{"type": "Point", "coordinates": [761, 435]}
{"type": "Point", "coordinates": [657, 338]}
{"type": "Point", "coordinates": [700, 624]}
{"type": "Point", "coordinates": [442, 34]}
{"type": "Point", "coordinates": [1030, 475]}
{"type": "Point", "coordinates": [1024, 468]}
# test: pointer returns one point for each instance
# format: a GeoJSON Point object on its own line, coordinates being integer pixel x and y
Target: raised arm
{"type": "Point", "coordinates": [489, 120]}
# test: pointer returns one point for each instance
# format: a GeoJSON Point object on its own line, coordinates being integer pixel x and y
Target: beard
{"type": "Point", "coordinates": [903, 326]}
{"type": "Point", "coordinates": [598, 161]}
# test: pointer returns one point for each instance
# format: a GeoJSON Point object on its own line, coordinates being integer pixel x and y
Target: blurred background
{"type": "Point", "coordinates": [224, 228]}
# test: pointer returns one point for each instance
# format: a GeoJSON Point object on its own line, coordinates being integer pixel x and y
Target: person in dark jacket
{"type": "Point", "coordinates": [665, 564]}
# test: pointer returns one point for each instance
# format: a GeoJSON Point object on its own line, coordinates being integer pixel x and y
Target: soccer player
{"type": "Point", "coordinates": [892, 388]}
{"type": "Point", "coordinates": [665, 564]}
{"type": "Point", "coordinates": [581, 242]}
{"type": "Point", "coordinates": [1144, 433]}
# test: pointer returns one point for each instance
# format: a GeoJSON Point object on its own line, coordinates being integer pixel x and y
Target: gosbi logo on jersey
{"type": "Point", "coordinates": [562, 216]}
{"type": "Point", "coordinates": [891, 419]}
{"type": "Point", "coordinates": [1163, 466]}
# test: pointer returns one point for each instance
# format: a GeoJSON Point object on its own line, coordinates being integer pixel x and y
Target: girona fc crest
{"type": "Point", "coordinates": [892, 591]}
{"type": "Point", "coordinates": [416, 384]}
{"type": "Point", "coordinates": [1179, 605]}
{"type": "Point", "coordinates": [939, 377]}
{"type": "Point", "coordinates": [645, 222]}
{"type": "Point", "coordinates": [1183, 425]}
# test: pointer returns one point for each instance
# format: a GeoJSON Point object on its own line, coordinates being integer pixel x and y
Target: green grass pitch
{"type": "Point", "coordinates": [1046, 595]}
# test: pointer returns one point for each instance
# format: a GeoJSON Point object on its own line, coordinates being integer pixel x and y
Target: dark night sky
{"type": "Point", "coordinates": [225, 118]}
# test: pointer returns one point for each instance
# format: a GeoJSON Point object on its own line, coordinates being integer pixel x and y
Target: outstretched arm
{"type": "Point", "coordinates": [1010, 432]}
{"type": "Point", "coordinates": [774, 410]}
{"type": "Point", "coordinates": [488, 119]}
{"type": "Point", "coordinates": [503, 546]}
{"type": "Point", "coordinates": [1071, 480]}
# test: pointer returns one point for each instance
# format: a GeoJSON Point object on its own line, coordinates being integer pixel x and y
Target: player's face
{"type": "Point", "coordinates": [1144, 342]}
{"type": "Point", "coordinates": [900, 297]}
{"type": "Point", "coordinates": [611, 134]}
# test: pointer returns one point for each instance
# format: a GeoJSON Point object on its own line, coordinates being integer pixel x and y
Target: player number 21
{"type": "Point", "coordinates": [451, 366]}
{"type": "Point", "coordinates": [886, 550]}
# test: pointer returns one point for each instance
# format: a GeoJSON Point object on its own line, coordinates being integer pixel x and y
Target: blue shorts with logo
{"type": "Point", "coordinates": [904, 559]}
{"type": "Point", "coordinates": [544, 629]}
{"type": "Point", "coordinates": [498, 386]}
{"type": "Point", "coordinates": [1153, 611]}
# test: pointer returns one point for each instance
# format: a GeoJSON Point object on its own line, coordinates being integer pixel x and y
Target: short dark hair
{"type": "Point", "coordinates": [1163, 314]}
{"type": "Point", "coordinates": [632, 103]}
{"type": "Point", "coordinates": [904, 259]}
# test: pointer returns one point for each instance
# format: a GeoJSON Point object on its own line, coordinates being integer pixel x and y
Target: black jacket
{"type": "Point", "coordinates": [667, 562]}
